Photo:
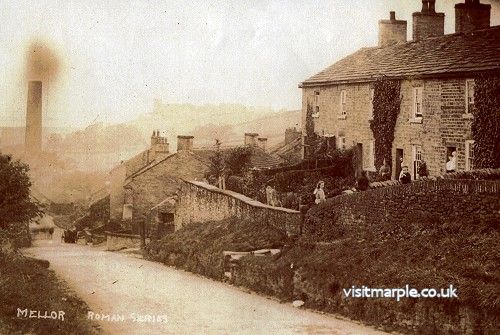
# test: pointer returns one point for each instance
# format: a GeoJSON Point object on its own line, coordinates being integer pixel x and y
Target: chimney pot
{"type": "Point", "coordinates": [432, 6]}
{"type": "Point", "coordinates": [425, 6]}
{"type": "Point", "coordinates": [392, 15]}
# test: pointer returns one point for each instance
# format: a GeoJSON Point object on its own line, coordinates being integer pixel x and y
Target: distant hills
{"type": "Point", "coordinates": [101, 146]}
{"type": "Point", "coordinates": [228, 122]}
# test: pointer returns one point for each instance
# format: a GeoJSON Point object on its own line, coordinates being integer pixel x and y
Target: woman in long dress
{"type": "Point", "coordinates": [319, 192]}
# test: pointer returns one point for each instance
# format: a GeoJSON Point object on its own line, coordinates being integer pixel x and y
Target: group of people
{"type": "Point", "coordinates": [363, 182]}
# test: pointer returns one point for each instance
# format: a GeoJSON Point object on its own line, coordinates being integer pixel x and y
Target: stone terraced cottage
{"type": "Point", "coordinates": [436, 73]}
{"type": "Point", "coordinates": [149, 181]}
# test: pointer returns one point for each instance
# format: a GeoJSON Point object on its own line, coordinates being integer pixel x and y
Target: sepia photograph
{"type": "Point", "coordinates": [255, 167]}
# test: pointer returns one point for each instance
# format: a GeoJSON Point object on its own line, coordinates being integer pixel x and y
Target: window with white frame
{"type": "Point", "coordinates": [417, 159]}
{"type": "Point", "coordinates": [370, 111]}
{"type": "Point", "coordinates": [417, 102]}
{"type": "Point", "coordinates": [316, 103]}
{"type": "Point", "coordinates": [341, 141]}
{"type": "Point", "coordinates": [370, 160]}
{"type": "Point", "coordinates": [469, 155]}
{"type": "Point", "coordinates": [343, 103]}
{"type": "Point", "coordinates": [469, 96]}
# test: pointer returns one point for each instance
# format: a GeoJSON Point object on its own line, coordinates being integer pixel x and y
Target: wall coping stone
{"type": "Point", "coordinates": [465, 186]}
{"type": "Point", "coordinates": [240, 197]}
{"type": "Point", "coordinates": [122, 235]}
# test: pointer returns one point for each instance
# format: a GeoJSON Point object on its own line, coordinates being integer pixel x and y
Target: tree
{"type": "Point", "coordinates": [15, 202]}
{"type": "Point", "coordinates": [217, 167]}
{"type": "Point", "coordinates": [311, 138]}
{"type": "Point", "coordinates": [238, 160]}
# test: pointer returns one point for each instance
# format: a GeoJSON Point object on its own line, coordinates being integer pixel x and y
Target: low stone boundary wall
{"type": "Point", "coordinates": [118, 241]}
{"type": "Point", "coordinates": [201, 202]}
{"type": "Point", "coordinates": [443, 199]}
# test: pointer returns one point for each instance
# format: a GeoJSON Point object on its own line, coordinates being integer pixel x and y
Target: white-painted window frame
{"type": "Point", "coordinates": [469, 161]}
{"type": "Point", "coordinates": [341, 143]}
{"type": "Point", "coordinates": [416, 157]}
{"type": "Point", "coordinates": [316, 108]}
{"type": "Point", "coordinates": [343, 103]}
{"type": "Point", "coordinates": [417, 105]}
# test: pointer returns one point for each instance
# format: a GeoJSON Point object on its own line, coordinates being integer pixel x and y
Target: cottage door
{"type": "Point", "coordinates": [359, 159]}
{"type": "Point", "coordinates": [399, 162]}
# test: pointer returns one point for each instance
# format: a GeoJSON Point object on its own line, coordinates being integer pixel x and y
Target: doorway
{"type": "Point", "coordinates": [399, 162]}
{"type": "Point", "coordinates": [359, 159]}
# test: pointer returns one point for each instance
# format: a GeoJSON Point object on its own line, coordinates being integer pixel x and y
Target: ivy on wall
{"type": "Point", "coordinates": [486, 124]}
{"type": "Point", "coordinates": [311, 138]}
{"type": "Point", "coordinates": [386, 107]}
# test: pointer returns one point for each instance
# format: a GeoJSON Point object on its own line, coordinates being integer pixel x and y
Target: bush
{"type": "Point", "coordinates": [296, 186]}
{"type": "Point", "coordinates": [430, 253]}
{"type": "Point", "coordinates": [198, 247]}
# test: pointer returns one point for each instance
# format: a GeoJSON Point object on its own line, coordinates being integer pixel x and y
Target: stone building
{"type": "Point", "coordinates": [436, 72]}
{"type": "Point", "coordinates": [290, 150]}
{"type": "Point", "coordinates": [150, 181]}
{"type": "Point", "coordinates": [158, 150]}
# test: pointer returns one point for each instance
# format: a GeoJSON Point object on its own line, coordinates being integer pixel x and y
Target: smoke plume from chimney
{"type": "Point", "coordinates": [42, 62]}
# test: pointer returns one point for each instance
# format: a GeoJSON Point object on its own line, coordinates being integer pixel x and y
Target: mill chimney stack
{"type": "Point", "coordinates": [33, 135]}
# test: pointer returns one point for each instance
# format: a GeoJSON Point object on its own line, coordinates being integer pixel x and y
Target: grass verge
{"type": "Point", "coordinates": [27, 283]}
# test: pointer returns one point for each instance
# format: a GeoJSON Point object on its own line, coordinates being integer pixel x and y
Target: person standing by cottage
{"type": "Point", "coordinates": [272, 196]}
{"type": "Point", "coordinates": [319, 192]}
{"type": "Point", "coordinates": [451, 165]}
{"type": "Point", "coordinates": [405, 176]}
{"type": "Point", "coordinates": [385, 171]}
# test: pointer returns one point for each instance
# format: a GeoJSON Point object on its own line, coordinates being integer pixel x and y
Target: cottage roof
{"type": "Point", "coordinates": [452, 54]}
{"type": "Point", "coordinates": [167, 205]}
{"type": "Point", "coordinates": [259, 159]}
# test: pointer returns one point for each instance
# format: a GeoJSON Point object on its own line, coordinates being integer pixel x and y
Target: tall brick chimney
{"type": "Point", "coordinates": [427, 23]}
{"type": "Point", "coordinates": [471, 15]}
{"type": "Point", "coordinates": [33, 135]}
{"type": "Point", "coordinates": [251, 139]}
{"type": "Point", "coordinates": [185, 142]}
{"type": "Point", "coordinates": [391, 31]}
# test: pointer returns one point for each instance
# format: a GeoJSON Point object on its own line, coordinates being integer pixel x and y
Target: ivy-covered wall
{"type": "Point", "coordinates": [386, 107]}
{"type": "Point", "coordinates": [486, 122]}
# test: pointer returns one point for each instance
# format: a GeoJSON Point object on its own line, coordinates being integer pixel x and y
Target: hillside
{"type": "Point", "coordinates": [228, 122]}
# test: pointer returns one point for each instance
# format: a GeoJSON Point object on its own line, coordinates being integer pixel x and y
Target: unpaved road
{"type": "Point", "coordinates": [120, 284]}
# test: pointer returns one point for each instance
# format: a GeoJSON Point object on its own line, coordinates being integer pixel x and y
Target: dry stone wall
{"type": "Point", "coordinates": [201, 202]}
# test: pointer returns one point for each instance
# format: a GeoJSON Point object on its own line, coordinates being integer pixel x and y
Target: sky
{"type": "Point", "coordinates": [115, 57]}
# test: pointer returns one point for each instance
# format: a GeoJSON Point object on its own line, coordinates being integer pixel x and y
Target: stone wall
{"type": "Point", "coordinates": [160, 182]}
{"type": "Point", "coordinates": [464, 201]}
{"type": "Point", "coordinates": [119, 241]}
{"type": "Point", "coordinates": [201, 202]}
